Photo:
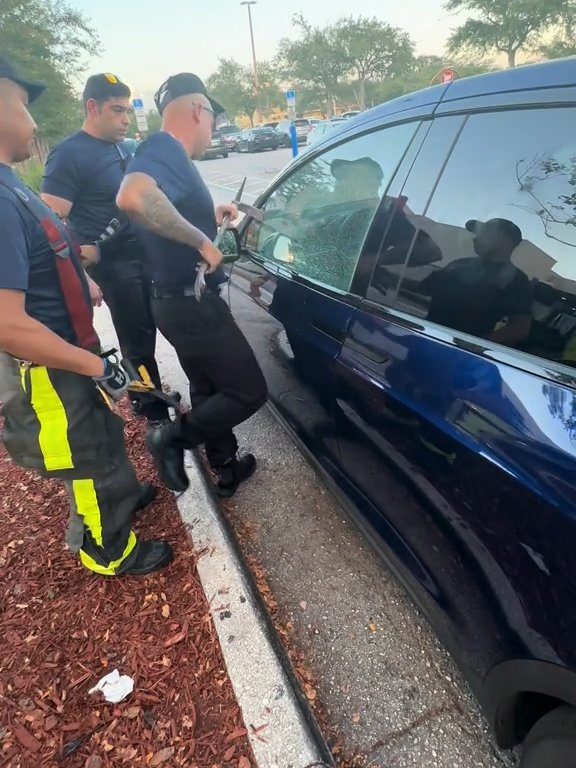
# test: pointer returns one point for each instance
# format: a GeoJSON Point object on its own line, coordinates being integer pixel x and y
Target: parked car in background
{"type": "Point", "coordinates": [217, 147]}
{"type": "Point", "coordinates": [321, 129]}
{"type": "Point", "coordinates": [272, 124]}
{"type": "Point", "coordinates": [414, 311]}
{"type": "Point", "coordinates": [303, 128]}
{"type": "Point", "coordinates": [230, 135]}
{"type": "Point", "coordinates": [131, 145]}
{"type": "Point", "coordinates": [351, 113]}
{"type": "Point", "coordinates": [258, 139]}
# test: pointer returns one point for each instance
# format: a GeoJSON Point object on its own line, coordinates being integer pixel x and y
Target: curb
{"type": "Point", "coordinates": [281, 727]}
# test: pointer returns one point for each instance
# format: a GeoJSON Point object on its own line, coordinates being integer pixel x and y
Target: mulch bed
{"type": "Point", "coordinates": [63, 628]}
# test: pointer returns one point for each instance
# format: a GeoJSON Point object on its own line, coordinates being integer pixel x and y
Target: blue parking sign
{"type": "Point", "coordinates": [137, 103]}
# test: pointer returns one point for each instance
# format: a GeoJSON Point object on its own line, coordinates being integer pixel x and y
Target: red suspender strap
{"type": "Point", "coordinates": [68, 267]}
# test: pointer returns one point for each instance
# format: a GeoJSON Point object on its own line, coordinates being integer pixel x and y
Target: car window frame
{"type": "Point", "coordinates": [549, 370]}
{"type": "Point", "coordinates": [274, 267]}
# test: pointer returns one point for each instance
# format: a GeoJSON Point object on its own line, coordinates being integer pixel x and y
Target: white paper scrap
{"type": "Point", "coordinates": [114, 686]}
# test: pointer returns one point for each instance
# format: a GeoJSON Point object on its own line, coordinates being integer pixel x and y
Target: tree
{"type": "Point", "coordinates": [233, 85]}
{"type": "Point", "coordinates": [374, 50]}
{"type": "Point", "coordinates": [506, 26]}
{"type": "Point", "coordinates": [318, 59]}
{"type": "Point", "coordinates": [47, 40]}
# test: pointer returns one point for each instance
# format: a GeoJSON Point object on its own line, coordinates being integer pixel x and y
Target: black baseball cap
{"type": "Point", "coordinates": [182, 85]}
{"type": "Point", "coordinates": [505, 226]}
{"type": "Point", "coordinates": [32, 89]}
{"type": "Point", "coordinates": [105, 86]}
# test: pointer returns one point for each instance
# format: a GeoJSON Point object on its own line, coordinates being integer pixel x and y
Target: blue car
{"type": "Point", "coordinates": [409, 288]}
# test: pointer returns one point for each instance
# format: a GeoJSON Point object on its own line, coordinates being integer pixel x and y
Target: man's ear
{"type": "Point", "coordinates": [92, 107]}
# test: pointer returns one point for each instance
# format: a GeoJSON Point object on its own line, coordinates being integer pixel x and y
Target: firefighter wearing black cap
{"type": "Point", "coordinates": [54, 385]}
{"type": "Point", "coordinates": [164, 193]}
{"type": "Point", "coordinates": [81, 181]}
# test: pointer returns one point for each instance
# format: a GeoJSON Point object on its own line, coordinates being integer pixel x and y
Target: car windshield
{"type": "Point", "coordinates": [300, 123]}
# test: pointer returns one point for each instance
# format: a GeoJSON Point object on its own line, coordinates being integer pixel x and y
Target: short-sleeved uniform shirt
{"type": "Point", "coordinates": [27, 262]}
{"type": "Point", "coordinates": [88, 172]}
{"type": "Point", "coordinates": [172, 264]}
{"type": "Point", "coordinates": [473, 296]}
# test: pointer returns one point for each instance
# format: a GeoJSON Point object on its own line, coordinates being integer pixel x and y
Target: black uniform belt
{"type": "Point", "coordinates": [158, 292]}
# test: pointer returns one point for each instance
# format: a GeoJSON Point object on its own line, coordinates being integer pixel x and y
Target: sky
{"type": "Point", "coordinates": [144, 42]}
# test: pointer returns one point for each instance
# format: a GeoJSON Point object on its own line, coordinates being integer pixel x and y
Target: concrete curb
{"type": "Point", "coordinates": [281, 728]}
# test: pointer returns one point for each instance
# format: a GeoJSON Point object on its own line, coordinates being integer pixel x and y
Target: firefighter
{"type": "Point", "coordinates": [55, 385]}
{"type": "Point", "coordinates": [82, 177]}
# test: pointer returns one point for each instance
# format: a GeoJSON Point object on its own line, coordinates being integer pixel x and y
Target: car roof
{"type": "Point", "coordinates": [551, 74]}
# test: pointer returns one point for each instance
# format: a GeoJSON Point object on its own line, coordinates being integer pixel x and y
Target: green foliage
{"type": "Point", "coordinates": [318, 59]}
{"type": "Point", "coordinates": [233, 85]}
{"type": "Point", "coordinates": [31, 173]}
{"type": "Point", "coordinates": [47, 40]}
{"type": "Point", "coordinates": [505, 26]}
{"type": "Point", "coordinates": [374, 51]}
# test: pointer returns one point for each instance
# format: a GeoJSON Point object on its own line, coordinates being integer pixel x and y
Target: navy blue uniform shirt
{"type": "Point", "coordinates": [88, 172]}
{"type": "Point", "coordinates": [27, 262]}
{"type": "Point", "coordinates": [164, 159]}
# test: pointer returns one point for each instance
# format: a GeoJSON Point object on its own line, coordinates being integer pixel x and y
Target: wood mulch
{"type": "Point", "coordinates": [63, 628]}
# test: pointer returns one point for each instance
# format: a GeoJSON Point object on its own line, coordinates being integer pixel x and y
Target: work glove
{"type": "Point", "coordinates": [114, 381]}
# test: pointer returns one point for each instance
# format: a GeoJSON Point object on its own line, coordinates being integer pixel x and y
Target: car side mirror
{"type": "Point", "coordinates": [230, 246]}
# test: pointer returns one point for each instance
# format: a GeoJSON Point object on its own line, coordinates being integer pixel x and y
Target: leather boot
{"type": "Point", "coordinates": [150, 556]}
{"type": "Point", "coordinates": [236, 470]}
{"type": "Point", "coordinates": [162, 442]}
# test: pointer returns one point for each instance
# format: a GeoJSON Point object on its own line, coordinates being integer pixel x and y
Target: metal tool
{"type": "Point", "coordinates": [200, 284]}
{"type": "Point", "coordinates": [142, 384]}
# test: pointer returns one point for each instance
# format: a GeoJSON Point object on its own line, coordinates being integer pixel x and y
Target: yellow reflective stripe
{"type": "Point", "coordinates": [110, 570]}
{"type": "Point", "coordinates": [23, 377]}
{"type": "Point", "coordinates": [51, 415]}
{"type": "Point", "coordinates": [88, 508]}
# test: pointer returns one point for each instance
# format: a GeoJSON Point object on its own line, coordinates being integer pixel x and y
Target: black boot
{"type": "Point", "coordinates": [150, 556]}
{"type": "Point", "coordinates": [234, 472]}
{"type": "Point", "coordinates": [149, 493]}
{"type": "Point", "coordinates": [168, 456]}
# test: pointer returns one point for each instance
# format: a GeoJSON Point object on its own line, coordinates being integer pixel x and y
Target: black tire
{"type": "Point", "coordinates": [225, 155]}
{"type": "Point", "coordinates": [552, 741]}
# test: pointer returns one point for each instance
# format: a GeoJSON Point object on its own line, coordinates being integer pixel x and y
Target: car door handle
{"type": "Point", "coordinates": [375, 355]}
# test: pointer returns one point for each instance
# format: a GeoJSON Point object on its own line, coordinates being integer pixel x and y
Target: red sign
{"type": "Point", "coordinates": [447, 75]}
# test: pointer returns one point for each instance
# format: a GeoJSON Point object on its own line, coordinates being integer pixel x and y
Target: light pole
{"type": "Point", "coordinates": [248, 3]}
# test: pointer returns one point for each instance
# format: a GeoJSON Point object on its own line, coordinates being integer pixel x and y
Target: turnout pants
{"type": "Point", "coordinates": [59, 425]}
{"type": "Point", "coordinates": [126, 289]}
{"type": "Point", "coordinates": [226, 383]}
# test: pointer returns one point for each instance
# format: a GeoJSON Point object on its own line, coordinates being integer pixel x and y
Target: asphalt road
{"type": "Point", "coordinates": [386, 684]}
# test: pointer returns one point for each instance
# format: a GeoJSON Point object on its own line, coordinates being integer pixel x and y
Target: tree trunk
{"type": "Point", "coordinates": [511, 59]}
{"type": "Point", "coordinates": [362, 95]}
{"type": "Point", "coordinates": [329, 105]}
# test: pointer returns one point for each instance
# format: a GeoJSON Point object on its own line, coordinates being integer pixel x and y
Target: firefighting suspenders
{"type": "Point", "coordinates": [72, 285]}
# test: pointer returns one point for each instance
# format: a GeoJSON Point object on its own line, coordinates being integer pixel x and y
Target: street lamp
{"type": "Point", "coordinates": [248, 3]}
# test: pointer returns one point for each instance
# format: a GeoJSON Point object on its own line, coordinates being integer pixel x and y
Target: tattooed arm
{"type": "Point", "coordinates": [144, 202]}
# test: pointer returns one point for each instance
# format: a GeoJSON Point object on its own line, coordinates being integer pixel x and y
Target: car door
{"type": "Point", "coordinates": [298, 284]}
{"type": "Point", "coordinates": [455, 387]}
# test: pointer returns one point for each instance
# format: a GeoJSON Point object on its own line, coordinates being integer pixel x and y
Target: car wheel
{"type": "Point", "coordinates": [225, 154]}
{"type": "Point", "coordinates": [552, 741]}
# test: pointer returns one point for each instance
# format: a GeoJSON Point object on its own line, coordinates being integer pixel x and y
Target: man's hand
{"type": "Point", "coordinates": [114, 380]}
{"type": "Point", "coordinates": [226, 210]}
{"type": "Point", "coordinates": [211, 255]}
{"type": "Point", "coordinates": [90, 254]}
{"type": "Point", "coordinates": [95, 292]}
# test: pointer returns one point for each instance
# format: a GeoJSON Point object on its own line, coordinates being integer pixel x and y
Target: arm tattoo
{"type": "Point", "coordinates": [160, 216]}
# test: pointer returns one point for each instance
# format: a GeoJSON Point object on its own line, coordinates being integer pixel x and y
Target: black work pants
{"type": "Point", "coordinates": [126, 289]}
{"type": "Point", "coordinates": [226, 383]}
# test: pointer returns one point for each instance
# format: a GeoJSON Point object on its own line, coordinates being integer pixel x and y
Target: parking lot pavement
{"type": "Point", "coordinates": [224, 175]}
{"type": "Point", "coordinates": [387, 685]}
